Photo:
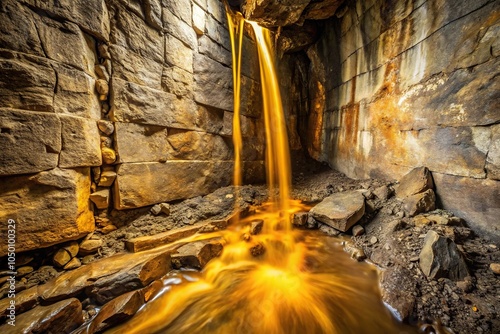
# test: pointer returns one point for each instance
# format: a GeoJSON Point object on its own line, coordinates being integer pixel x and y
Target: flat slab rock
{"type": "Point", "coordinates": [341, 210]}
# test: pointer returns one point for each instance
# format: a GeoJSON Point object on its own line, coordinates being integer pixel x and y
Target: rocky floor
{"type": "Point", "coordinates": [435, 298]}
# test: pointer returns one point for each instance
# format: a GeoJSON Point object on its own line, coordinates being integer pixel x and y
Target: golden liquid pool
{"type": "Point", "coordinates": [300, 282]}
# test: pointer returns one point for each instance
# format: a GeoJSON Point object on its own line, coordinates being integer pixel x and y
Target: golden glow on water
{"type": "Point", "coordinates": [281, 281]}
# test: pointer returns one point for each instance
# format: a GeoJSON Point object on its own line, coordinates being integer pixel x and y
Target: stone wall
{"type": "Point", "coordinates": [124, 102]}
{"type": "Point", "coordinates": [404, 83]}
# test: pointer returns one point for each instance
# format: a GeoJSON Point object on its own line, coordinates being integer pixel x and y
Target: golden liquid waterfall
{"type": "Point", "coordinates": [300, 284]}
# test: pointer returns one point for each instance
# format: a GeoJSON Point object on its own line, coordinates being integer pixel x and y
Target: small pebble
{"type": "Point", "coordinates": [357, 230]}
{"type": "Point", "coordinates": [373, 240]}
{"type": "Point", "coordinates": [495, 267]}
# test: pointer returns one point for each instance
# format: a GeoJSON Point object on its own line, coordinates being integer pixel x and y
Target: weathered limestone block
{"type": "Point", "coordinates": [81, 145]}
{"type": "Point", "coordinates": [274, 12]}
{"type": "Point", "coordinates": [77, 87]}
{"type": "Point", "coordinates": [142, 184]}
{"type": "Point", "coordinates": [341, 210]}
{"type": "Point", "coordinates": [475, 200]}
{"type": "Point", "coordinates": [61, 317]}
{"type": "Point", "coordinates": [217, 52]}
{"type": "Point", "coordinates": [140, 104]}
{"type": "Point", "coordinates": [217, 10]}
{"type": "Point", "coordinates": [217, 32]}
{"type": "Point", "coordinates": [26, 82]}
{"type": "Point", "coordinates": [213, 83]}
{"type": "Point", "coordinates": [17, 29]}
{"type": "Point", "coordinates": [65, 43]}
{"type": "Point", "coordinates": [493, 158]}
{"type": "Point", "coordinates": [149, 142]}
{"type": "Point", "coordinates": [178, 54]}
{"type": "Point", "coordinates": [440, 257]}
{"type": "Point", "coordinates": [49, 207]}
{"type": "Point", "coordinates": [193, 145]}
{"type": "Point", "coordinates": [180, 8]}
{"type": "Point", "coordinates": [197, 254]}
{"type": "Point", "coordinates": [152, 11]}
{"type": "Point", "coordinates": [179, 29]}
{"type": "Point", "coordinates": [130, 66]}
{"type": "Point", "coordinates": [198, 22]}
{"type": "Point", "coordinates": [107, 178]}
{"type": "Point", "coordinates": [177, 81]}
{"type": "Point", "coordinates": [416, 181]}
{"type": "Point", "coordinates": [29, 141]}
{"type": "Point", "coordinates": [90, 15]}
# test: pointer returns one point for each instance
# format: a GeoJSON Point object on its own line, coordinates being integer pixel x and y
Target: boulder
{"type": "Point", "coordinates": [415, 182]}
{"type": "Point", "coordinates": [197, 254]}
{"type": "Point", "coordinates": [274, 12]}
{"type": "Point", "coordinates": [58, 209]}
{"type": "Point", "coordinates": [61, 317]}
{"type": "Point", "coordinates": [299, 219]}
{"type": "Point", "coordinates": [117, 310]}
{"type": "Point", "coordinates": [340, 210]}
{"type": "Point", "coordinates": [419, 203]}
{"type": "Point", "coordinates": [440, 257]}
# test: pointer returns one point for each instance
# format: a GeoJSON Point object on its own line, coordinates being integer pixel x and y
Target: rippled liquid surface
{"type": "Point", "coordinates": [302, 283]}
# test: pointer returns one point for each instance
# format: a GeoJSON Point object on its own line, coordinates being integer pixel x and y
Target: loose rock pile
{"type": "Point", "coordinates": [434, 271]}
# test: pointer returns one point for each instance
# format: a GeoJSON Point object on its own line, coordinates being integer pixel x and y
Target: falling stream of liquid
{"type": "Point", "coordinates": [297, 283]}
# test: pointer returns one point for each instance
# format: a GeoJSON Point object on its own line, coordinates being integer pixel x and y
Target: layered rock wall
{"type": "Point", "coordinates": [125, 103]}
{"type": "Point", "coordinates": [405, 83]}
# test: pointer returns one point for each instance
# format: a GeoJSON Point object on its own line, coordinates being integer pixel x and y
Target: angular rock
{"type": "Point", "coordinates": [357, 230]}
{"type": "Point", "coordinates": [274, 12]}
{"type": "Point", "coordinates": [72, 248]}
{"type": "Point", "coordinates": [90, 246]}
{"type": "Point", "coordinates": [415, 182]}
{"type": "Point", "coordinates": [140, 244]}
{"type": "Point", "coordinates": [297, 37]}
{"type": "Point", "coordinates": [61, 257]}
{"type": "Point", "coordinates": [73, 264]}
{"type": "Point", "coordinates": [108, 229]}
{"type": "Point", "coordinates": [155, 210]}
{"type": "Point", "coordinates": [420, 203]}
{"type": "Point", "coordinates": [328, 230]}
{"type": "Point", "coordinates": [398, 290]}
{"type": "Point", "coordinates": [137, 276]}
{"type": "Point", "coordinates": [107, 178]}
{"type": "Point", "coordinates": [61, 317]}
{"type": "Point", "coordinates": [321, 10]}
{"type": "Point", "coordinates": [299, 219]}
{"type": "Point", "coordinates": [382, 193]}
{"type": "Point", "coordinates": [197, 254]}
{"type": "Point", "coordinates": [167, 181]}
{"type": "Point", "coordinates": [440, 257]}
{"type": "Point", "coordinates": [341, 210]}
{"type": "Point", "coordinates": [152, 11]}
{"type": "Point", "coordinates": [80, 143]}
{"type": "Point", "coordinates": [58, 210]}
{"type": "Point", "coordinates": [256, 227]}
{"type": "Point", "coordinates": [101, 198]}
{"type": "Point", "coordinates": [165, 208]}
{"type": "Point", "coordinates": [117, 310]}
{"type": "Point", "coordinates": [30, 142]}
{"type": "Point", "coordinates": [25, 300]}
